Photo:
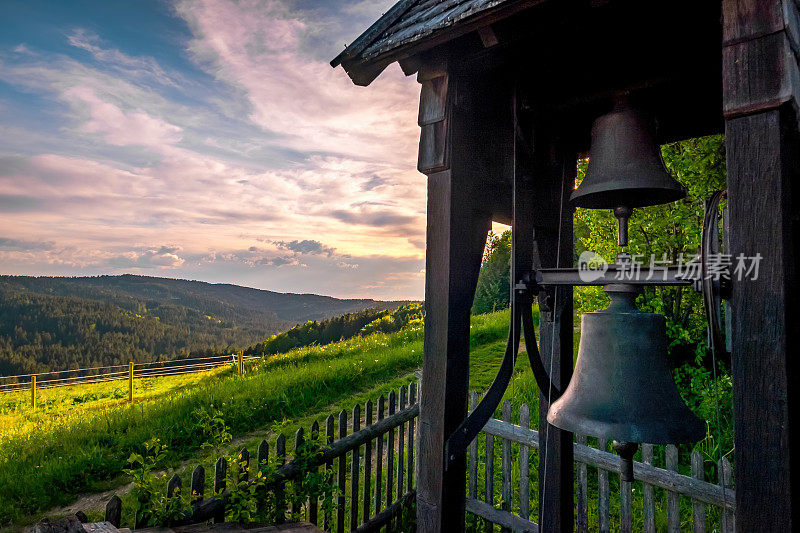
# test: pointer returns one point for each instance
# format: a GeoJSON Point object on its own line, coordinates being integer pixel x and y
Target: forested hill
{"type": "Point", "coordinates": [49, 323]}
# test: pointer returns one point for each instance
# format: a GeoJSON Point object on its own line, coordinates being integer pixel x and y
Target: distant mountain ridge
{"type": "Point", "coordinates": [65, 322]}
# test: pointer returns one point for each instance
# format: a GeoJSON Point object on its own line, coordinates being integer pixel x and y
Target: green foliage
{"type": "Point", "coordinates": [340, 328]}
{"type": "Point", "coordinates": [493, 290]}
{"type": "Point", "coordinates": [671, 232]}
{"type": "Point", "coordinates": [241, 505]}
{"type": "Point", "coordinates": [153, 506]}
{"type": "Point", "coordinates": [51, 323]}
{"type": "Point", "coordinates": [211, 425]}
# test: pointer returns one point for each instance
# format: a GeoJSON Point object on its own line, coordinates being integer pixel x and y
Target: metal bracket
{"type": "Point", "coordinates": [521, 318]}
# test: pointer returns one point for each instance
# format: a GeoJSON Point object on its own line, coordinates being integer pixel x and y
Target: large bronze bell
{"type": "Point", "coordinates": [622, 388]}
{"type": "Point", "coordinates": [625, 165]}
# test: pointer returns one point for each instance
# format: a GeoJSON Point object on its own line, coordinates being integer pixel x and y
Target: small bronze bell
{"type": "Point", "coordinates": [622, 388]}
{"type": "Point", "coordinates": [625, 165]}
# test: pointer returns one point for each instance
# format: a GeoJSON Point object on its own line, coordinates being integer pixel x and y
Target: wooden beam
{"type": "Point", "coordinates": [544, 176]}
{"type": "Point", "coordinates": [456, 236]}
{"type": "Point", "coordinates": [760, 88]}
{"type": "Point", "coordinates": [762, 159]}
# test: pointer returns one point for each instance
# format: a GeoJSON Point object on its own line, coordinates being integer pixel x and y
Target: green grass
{"type": "Point", "coordinates": [79, 441]}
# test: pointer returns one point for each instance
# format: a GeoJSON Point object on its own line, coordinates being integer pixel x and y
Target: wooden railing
{"type": "Point", "coordinates": [370, 496]}
{"type": "Point", "coordinates": [514, 509]}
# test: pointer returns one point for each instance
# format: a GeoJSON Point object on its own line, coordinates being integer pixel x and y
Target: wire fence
{"type": "Point", "coordinates": [130, 371]}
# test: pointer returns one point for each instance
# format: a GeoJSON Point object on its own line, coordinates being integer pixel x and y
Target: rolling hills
{"type": "Point", "coordinates": [51, 323]}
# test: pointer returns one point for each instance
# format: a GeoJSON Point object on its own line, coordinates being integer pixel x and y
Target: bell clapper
{"type": "Point", "coordinates": [626, 451]}
{"type": "Point", "coordinates": [623, 214]}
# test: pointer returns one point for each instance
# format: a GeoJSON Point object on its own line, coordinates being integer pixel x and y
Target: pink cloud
{"type": "Point", "coordinates": [120, 128]}
{"type": "Point", "coordinates": [256, 45]}
{"type": "Point", "coordinates": [350, 182]}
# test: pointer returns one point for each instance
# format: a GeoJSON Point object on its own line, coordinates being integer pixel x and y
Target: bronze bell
{"type": "Point", "coordinates": [622, 388]}
{"type": "Point", "coordinates": [625, 165]}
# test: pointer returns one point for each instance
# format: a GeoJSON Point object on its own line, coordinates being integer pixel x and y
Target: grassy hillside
{"type": "Point", "coordinates": [51, 323]}
{"type": "Point", "coordinates": [79, 441]}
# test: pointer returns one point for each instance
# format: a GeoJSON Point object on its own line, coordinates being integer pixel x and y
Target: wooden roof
{"type": "Point", "coordinates": [412, 26]}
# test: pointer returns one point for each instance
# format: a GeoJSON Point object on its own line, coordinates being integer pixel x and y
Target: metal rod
{"type": "Point", "coordinates": [671, 275]}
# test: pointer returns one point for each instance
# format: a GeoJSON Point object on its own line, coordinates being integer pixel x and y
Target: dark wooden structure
{"type": "Point", "coordinates": [509, 92]}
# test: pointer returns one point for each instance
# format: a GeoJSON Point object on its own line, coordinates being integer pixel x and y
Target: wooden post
{"type": "Point", "coordinates": [760, 93]}
{"type": "Point", "coordinates": [130, 381]}
{"type": "Point", "coordinates": [240, 361]}
{"type": "Point", "coordinates": [114, 511]}
{"type": "Point", "coordinates": [544, 177]}
{"type": "Point", "coordinates": [33, 392]}
{"type": "Point", "coordinates": [458, 222]}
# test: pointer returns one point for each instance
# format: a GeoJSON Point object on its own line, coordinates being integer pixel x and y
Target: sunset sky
{"type": "Point", "coordinates": [207, 140]}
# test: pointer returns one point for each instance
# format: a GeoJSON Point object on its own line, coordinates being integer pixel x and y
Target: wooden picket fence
{"type": "Point", "coordinates": [647, 475]}
{"type": "Point", "coordinates": [373, 491]}
{"type": "Point", "coordinates": [374, 468]}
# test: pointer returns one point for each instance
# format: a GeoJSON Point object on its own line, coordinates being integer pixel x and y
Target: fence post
{"type": "Point", "coordinates": [130, 381]}
{"type": "Point", "coordinates": [240, 358]}
{"type": "Point", "coordinates": [33, 392]}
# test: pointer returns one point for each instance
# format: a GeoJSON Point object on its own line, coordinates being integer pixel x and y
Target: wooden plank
{"type": "Point", "coordinates": [625, 509]}
{"type": "Point", "coordinates": [401, 445]}
{"type": "Point", "coordinates": [174, 485]}
{"type": "Point", "coordinates": [367, 507]}
{"type": "Point", "coordinates": [220, 475]}
{"type": "Point", "coordinates": [198, 484]}
{"type": "Point", "coordinates": [648, 507]}
{"type": "Point", "coordinates": [488, 495]}
{"type": "Point", "coordinates": [379, 458]}
{"type": "Point", "coordinates": [412, 400]}
{"type": "Point", "coordinates": [759, 75]}
{"type": "Point", "coordinates": [299, 437]}
{"type": "Point", "coordinates": [355, 471]}
{"type": "Point", "coordinates": [524, 470]}
{"type": "Point", "coordinates": [341, 472]}
{"type": "Point", "coordinates": [114, 511]}
{"type": "Point", "coordinates": [280, 495]}
{"type": "Point", "coordinates": [698, 507]}
{"type": "Point", "coordinates": [330, 436]}
{"type": "Point", "coordinates": [473, 453]}
{"type": "Point", "coordinates": [505, 463]}
{"type": "Point", "coordinates": [749, 19]}
{"type": "Point", "coordinates": [673, 499]}
{"type": "Point", "coordinates": [502, 518]}
{"type": "Point", "coordinates": [725, 479]}
{"type": "Point", "coordinates": [604, 522]}
{"type": "Point", "coordinates": [262, 452]}
{"type": "Point", "coordinates": [583, 491]}
{"type": "Point", "coordinates": [688, 486]}
{"type": "Point", "coordinates": [390, 453]}
{"type": "Point", "coordinates": [762, 154]}
{"type": "Point", "coordinates": [433, 148]}
{"type": "Point", "coordinates": [433, 100]}
{"type": "Point", "coordinates": [100, 527]}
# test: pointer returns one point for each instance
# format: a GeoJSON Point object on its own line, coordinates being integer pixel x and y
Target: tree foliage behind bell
{"type": "Point", "coordinates": [674, 229]}
{"type": "Point", "coordinates": [492, 292]}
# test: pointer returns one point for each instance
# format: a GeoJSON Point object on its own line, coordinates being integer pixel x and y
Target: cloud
{"type": "Point", "coordinates": [258, 46]}
{"type": "Point", "coordinates": [120, 128]}
{"type": "Point", "coordinates": [263, 142]}
{"type": "Point", "coordinates": [306, 247]}
{"type": "Point", "coordinates": [142, 67]}
{"type": "Point", "coordinates": [7, 244]}
{"type": "Point", "coordinates": [152, 258]}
